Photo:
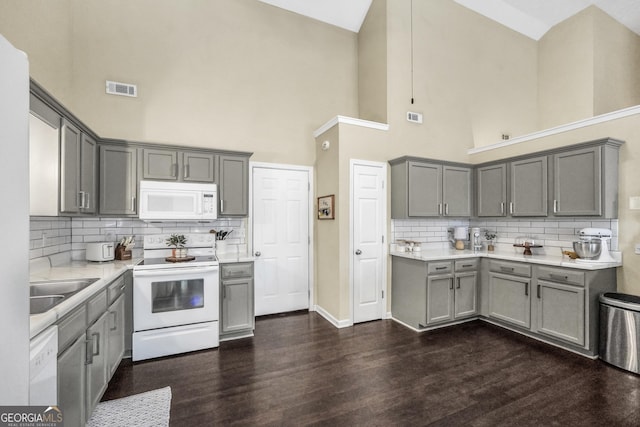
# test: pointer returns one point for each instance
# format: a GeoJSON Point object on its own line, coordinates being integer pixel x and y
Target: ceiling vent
{"type": "Point", "coordinates": [124, 89]}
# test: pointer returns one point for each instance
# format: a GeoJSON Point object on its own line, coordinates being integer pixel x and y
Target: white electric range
{"type": "Point", "coordinates": [175, 303]}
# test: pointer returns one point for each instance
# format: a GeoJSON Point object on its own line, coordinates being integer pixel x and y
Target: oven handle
{"type": "Point", "coordinates": [159, 272]}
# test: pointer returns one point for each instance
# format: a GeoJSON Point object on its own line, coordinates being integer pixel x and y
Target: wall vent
{"type": "Point", "coordinates": [414, 117]}
{"type": "Point", "coordinates": [124, 89]}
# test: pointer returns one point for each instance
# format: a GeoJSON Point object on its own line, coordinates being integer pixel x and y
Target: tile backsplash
{"type": "Point", "coordinates": [552, 233]}
{"type": "Point", "coordinates": [52, 235]}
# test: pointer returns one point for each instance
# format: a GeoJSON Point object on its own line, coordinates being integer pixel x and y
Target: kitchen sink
{"type": "Point", "coordinates": [41, 304]}
{"type": "Point", "coordinates": [65, 288]}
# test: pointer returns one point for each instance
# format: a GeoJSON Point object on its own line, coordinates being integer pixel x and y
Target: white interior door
{"type": "Point", "coordinates": [368, 201]}
{"type": "Point", "coordinates": [280, 224]}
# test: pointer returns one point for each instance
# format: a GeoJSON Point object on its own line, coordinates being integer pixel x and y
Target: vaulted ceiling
{"type": "Point", "coordinates": [532, 18]}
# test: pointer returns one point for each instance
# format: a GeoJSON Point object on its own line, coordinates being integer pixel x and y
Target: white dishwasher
{"type": "Point", "coordinates": [43, 368]}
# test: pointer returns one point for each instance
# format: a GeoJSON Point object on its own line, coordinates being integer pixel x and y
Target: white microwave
{"type": "Point", "coordinates": [178, 201]}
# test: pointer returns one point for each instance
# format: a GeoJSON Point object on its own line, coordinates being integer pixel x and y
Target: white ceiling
{"type": "Point", "coordinates": [532, 18]}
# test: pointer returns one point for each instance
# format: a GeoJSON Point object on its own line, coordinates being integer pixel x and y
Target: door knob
{"type": "Point", "coordinates": [358, 252]}
{"type": "Point", "coordinates": [257, 253]}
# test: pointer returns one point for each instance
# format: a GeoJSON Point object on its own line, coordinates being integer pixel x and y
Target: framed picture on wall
{"type": "Point", "coordinates": [325, 207]}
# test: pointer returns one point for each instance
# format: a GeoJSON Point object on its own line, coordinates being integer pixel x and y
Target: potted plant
{"type": "Point", "coordinates": [177, 241]}
{"type": "Point", "coordinates": [489, 237]}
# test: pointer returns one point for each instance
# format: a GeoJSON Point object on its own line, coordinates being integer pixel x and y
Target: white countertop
{"type": "Point", "coordinates": [552, 260]}
{"type": "Point", "coordinates": [229, 257]}
{"type": "Point", "coordinates": [105, 271]}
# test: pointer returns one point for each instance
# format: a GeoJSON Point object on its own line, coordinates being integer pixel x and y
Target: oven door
{"type": "Point", "coordinates": [174, 297]}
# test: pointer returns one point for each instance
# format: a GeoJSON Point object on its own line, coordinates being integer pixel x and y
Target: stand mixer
{"type": "Point", "coordinates": [602, 234]}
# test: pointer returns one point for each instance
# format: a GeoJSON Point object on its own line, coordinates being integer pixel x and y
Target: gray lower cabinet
{"type": "Point", "coordinates": [428, 293]}
{"type": "Point", "coordinates": [97, 350]}
{"type": "Point", "coordinates": [78, 154]}
{"type": "Point", "coordinates": [90, 345]}
{"type": "Point", "coordinates": [178, 165]}
{"type": "Point", "coordinates": [560, 310]}
{"type": "Point", "coordinates": [237, 317]}
{"type": "Point", "coordinates": [72, 382]}
{"type": "Point", "coordinates": [118, 180]}
{"type": "Point", "coordinates": [233, 185]}
{"type": "Point", "coordinates": [509, 292]}
{"type": "Point", "coordinates": [509, 299]}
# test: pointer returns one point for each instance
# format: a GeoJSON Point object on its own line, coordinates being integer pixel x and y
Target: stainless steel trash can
{"type": "Point", "coordinates": [620, 330]}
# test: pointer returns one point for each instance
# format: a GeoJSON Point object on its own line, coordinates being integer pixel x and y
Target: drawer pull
{"type": "Point", "coordinates": [526, 289]}
{"type": "Point", "coordinates": [441, 268]}
{"type": "Point", "coordinates": [559, 277]}
{"type": "Point", "coordinates": [509, 269]}
{"type": "Point", "coordinates": [467, 265]}
{"type": "Point", "coordinates": [538, 291]}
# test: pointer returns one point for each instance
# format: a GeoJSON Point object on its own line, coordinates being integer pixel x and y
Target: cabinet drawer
{"type": "Point", "coordinates": [232, 271]}
{"type": "Point", "coordinates": [70, 327]}
{"type": "Point", "coordinates": [96, 307]}
{"type": "Point", "coordinates": [466, 264]}
{"type": "Point", "coordinates": [115, 289]}
{"type": "Point", "coordinates": [510, 268]}
{"type": "Point", "coordinates": [444, 267]}
{"type": "Point", "coordinates": [561, 275]}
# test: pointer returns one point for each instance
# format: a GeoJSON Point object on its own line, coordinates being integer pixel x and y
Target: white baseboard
{"type": "Point", "coordinates": [329, 317]}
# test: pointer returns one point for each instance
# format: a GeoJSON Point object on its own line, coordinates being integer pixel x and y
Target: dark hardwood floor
{"type": "Point", "coordinates": [300, 370]}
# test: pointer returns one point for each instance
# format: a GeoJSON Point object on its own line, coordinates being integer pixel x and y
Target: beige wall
{"type": "Point", "coordinates": [42, 29]}
{"type": "Point", "coordinates": [473, 79]}
{"type": "Point", "coordinates": [588, 65]}
{"type": "Point", "coordinates": [372, 64]}
{"type": "Point", "coordinates": [240, 75]}
{"type": "Point", "coordinates": [617, 65]}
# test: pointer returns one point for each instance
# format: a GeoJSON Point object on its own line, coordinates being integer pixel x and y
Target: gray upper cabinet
{"type": "Point", "coordinates": [456, 191]}
{"type": "Point", "coordinates": [491, 190]}
{"type": "Point", "coordinates": [233, 185]}
{"type": "Point", "coordinates": [118, 180]}
{"type": "Point", "coordinates": [528, 182]}
{"type": "Point", "coordinates": [426, 189]}
{"type": "Point", "coordinates": [173, 165]}
{"type": "Point", "coordinates": [580, 180]}
{"type": "Point", "coordinates": [78, 154]}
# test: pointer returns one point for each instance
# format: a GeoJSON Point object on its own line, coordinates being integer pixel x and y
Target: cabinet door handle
{"type": "Point", "coordinates": [224, 292]}
{"type": "Point", "coordinates": [88, 354]}
{"type": "Point", "coordinates": [87, 195]}
{"type": "Point", "coordinates": [446, 208]}
{"type": "Point", "coordinates": [186, 171]}
{"type": "Point", "coordinates": [133, 204]}
{"type": "Point", "coordinates": [451, 283]}
{"type": "Point", "coordinates": [80, 201]}
{"type": "Point", "coordinates": [97, 341]}
{"type": "Point", "coordinates": [511, 208]}
{"type": "Point", "coordinates": [221, 205]}
{"type": "Point", "coordinates": [555, 206]}
{"type": "Point", "coordinates": [526, 289]}
{"type": "Point", "coordinates": [439, 208]}
{"type": "Point", "coordinates": [502, 208]}
{"type": "Point", "coordinates": [115, 321]}
{"type": "Point", "coordinates": [538, 291]}
{"type": "Point", "coordinates": [458, 284]}
{"type": "Point", "coordinates": [174, 168]}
